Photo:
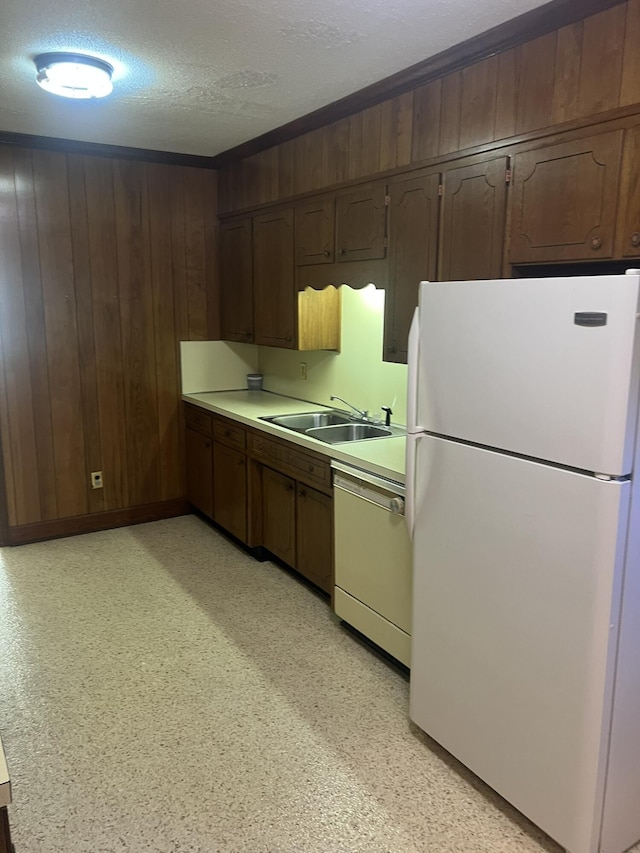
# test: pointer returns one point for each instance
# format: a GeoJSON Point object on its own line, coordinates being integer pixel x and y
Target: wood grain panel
{"type": "Point", "coordinates": [507, 94]}
{"type": "Point", "coordinates": [59, 301]}
{"type": "Point", "coordinates": [36, 332]}
{"type": "Point", "coordinates": [137, 331]}
{"type": "Point", "coordinates": [567, 73]}
{"type": "Point", "coordinates": [450, 113]}
{"type": "Point", "coordinates": [536, 83]}
{"type": "Point", "coordinates": [106, 266]}
{"type": "Point", "coordinates": [18, 440]}
{"type": "Point", "coordinates": [285, 170]}
{"type": "Point", "coordinates": [630, 84]}
{"type": "Point", "coordinates": [478, 103]}
{"type": "Point", "coordinates": [105, 299]}
{"type": "Point", "coordinates": [396, 117]}
{"type": "Point", "coordinates": [601, 68]}
{"type": "Point", "coordinates": [427, 107]}
{"type": "Point", "coordinates": [340, 145]}
{"type": "Point", "coordinates": [86, 332]}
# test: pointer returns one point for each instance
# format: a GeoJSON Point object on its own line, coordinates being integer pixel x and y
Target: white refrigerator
{"type": "Point", "coordinates": [525, 516]}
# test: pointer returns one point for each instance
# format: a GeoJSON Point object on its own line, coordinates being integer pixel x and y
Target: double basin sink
{"type": "Point", "coordinates": [333, 426]}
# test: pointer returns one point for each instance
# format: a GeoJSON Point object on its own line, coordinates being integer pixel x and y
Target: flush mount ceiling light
{"type": "Point", "coordinates": [73, 75]}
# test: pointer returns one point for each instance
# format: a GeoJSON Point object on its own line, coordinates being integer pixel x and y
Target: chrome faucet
{"type": "Point", "coordinates": [363, 415]}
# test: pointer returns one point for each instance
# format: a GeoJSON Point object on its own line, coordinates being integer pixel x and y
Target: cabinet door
{"type": "Point", "coordinates": [279, 515]}
{"type": "Point", "coordinates": [628, 228]}
{"type": "Point", "coordinates": [564, 200]}
{"type": "Point", "coordinates": [199, 471]}
{"type": "Point", "coordinates": [230, 490]}
{"type": "Point", "coordinates": [361, 224]}
{"type": "Point", "coordinates": [413, 233]}
{"type": "Point", "coordinates": [473, 221]}
{"type": "Point", "coordinates": [273, 280]}
{"type": "Point", "coordinates": [314, 536]}
{"type": "Point", "coordinates": [315, 228]}
{"type": "Point", "coordinates": [236, 281]}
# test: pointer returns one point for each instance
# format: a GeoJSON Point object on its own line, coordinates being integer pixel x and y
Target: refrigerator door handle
{"type": "Point", "coordinates": [412, 386]}
{"type": "Point", "coordinates": [410, 480]}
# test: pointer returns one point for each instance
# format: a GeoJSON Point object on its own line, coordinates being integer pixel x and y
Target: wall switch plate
{"type": "Point", "coordinates": [96, 479]}
{"type": "Point", "coordinates": [303, 370]}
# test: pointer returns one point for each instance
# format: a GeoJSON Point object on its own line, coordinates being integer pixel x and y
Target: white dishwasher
{"type": "Point", "coordinates": [372, 559]}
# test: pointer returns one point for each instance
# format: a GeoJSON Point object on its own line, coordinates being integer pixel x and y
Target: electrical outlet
{"type": "Point", "coordinates": [303, 370]}
{"type": "Point", "coordinates": [96, 479]}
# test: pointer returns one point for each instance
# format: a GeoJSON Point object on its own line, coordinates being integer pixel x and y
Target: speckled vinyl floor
{"type": "Point", "coordinates": [162, 691]}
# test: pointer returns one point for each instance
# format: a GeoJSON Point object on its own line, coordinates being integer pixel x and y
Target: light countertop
{"type": "Point", "coordinates": [5, 785]}
{"type": "Point", "coordinates": [381, 456]}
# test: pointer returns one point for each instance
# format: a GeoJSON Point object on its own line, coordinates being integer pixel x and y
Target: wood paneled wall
{"type": "Point", "coordinates": [572, 73]}
{"type": "Point", "coordinates": [105, 265]}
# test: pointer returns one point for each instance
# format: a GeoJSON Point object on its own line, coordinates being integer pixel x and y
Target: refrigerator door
{"type": "Point", "coordinates": [548, 368]}
{"type": "Point", "coordinates": [517, 588]}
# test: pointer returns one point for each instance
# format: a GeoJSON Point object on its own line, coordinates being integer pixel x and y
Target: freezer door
{"type": "Point", "coordinates": [517, 579]}
{"type": "Point", "coordinates": [548, 368]}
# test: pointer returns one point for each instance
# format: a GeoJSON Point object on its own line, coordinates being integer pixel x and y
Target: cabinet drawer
{"type": "Point", "coordinates": [308, 467]}
{"type": "Point", "coordinates": [305, 467]}
{"type": "Point", "coordinates": [199, 420]}
{"type": "Point", "coordinates": [229, 433]}
{"type": "Point", "coordinates": [263, 448]}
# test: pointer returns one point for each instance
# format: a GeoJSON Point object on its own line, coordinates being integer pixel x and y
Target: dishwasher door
{"type": "Point", "coordinates": [373, 561]}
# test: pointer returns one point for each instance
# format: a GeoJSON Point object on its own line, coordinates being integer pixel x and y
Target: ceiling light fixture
{"type": "Point", "coordinates": [73, 75]}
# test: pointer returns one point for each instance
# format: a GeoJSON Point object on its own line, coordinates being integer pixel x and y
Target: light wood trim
{"type": "Point", "coordinates": [319, 314]}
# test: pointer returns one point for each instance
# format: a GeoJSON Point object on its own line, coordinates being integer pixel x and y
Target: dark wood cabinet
{"type": "Point", "coordinates": [236, 280]}
{"type": "Point", "coordinates": [564, 200]}
{"type": "Point", "coordinates": [275, 306]}
{"type": "Point", "coordinates": [315, 231]}
{"type": "Point", "coordinates": [199, 458]}
{"type": "Point", "coordinates": [230, 490]}
{"type": "Point", "coordinates": [628, 226]}
{"type": "Point", "coordinates": [5, 835]}
{"type": "Point", "coordinates": [314, 536]}
{"type": "Point", "coordinates": [361, 218]}
{"type": "Point", "coordinates": [472, 221]}
{"type": "Point", "coordinates": [279, 515]}
{"type": "Point", "coordinates": [413, 235]}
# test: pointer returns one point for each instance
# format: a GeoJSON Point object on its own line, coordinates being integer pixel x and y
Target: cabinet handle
{"type": "Point", "coordinates": [326, 253]}
{"type": "Point", "coordinates": [227, 433]}
{"type": "Point", "coordinates": [393, 349]}
{"type": "Point", "coordinates": [289, 338]}
{"type": "Point", "coordinates": [342, 252]}
{"type": "Point", "coordinates": [596, 242]}
{"type": "Point", "coordinates": [247, 334]}
{"type": "Point", "coordinates": [302, 493]}
{"type": "Point", "coordinates": [635, 238]}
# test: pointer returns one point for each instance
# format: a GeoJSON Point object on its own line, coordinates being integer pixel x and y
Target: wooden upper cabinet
{"type": "Point", "coordinates": [361, 224]}
{"type": "Point", "coordinates": [564, 200]}
{"type": "Point", "coordinates": [628, 227]}
{"type": "Point", "coordinates": [274, 294]}
{"type": "Point", "coordinates": [315, 229]}
{"type": "Point", "coordinates": [473, 221]}
{"type": "Point", "coordinates": [236, 281]}
{"type": "Point", "coordinates": [413, 236]}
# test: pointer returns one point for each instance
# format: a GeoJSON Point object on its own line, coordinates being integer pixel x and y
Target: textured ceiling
{"type": "Point", "coordinates": [201, 76]}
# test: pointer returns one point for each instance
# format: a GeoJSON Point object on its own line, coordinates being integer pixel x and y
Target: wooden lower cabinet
{"type": "Point", "coordinates": [265, 491]}
{"type": "Point", "coordinates": [5, 834]}
{"type": "Point", "coordinates": [230, 490]}
{"type": "Point", "coordinates": [314, 536]}
{"type": "Point", "coordinates": [199, 460]}
{"type": "Point", "coordinates": [279, 515]}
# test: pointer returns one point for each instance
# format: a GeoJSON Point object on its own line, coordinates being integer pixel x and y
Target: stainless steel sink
{"type": "Point", "coordinates": [333, 426]}
{"type": "Point", "coordinates": [309, 420]}
{"type": "Point", "coordinates": [348, 432]}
